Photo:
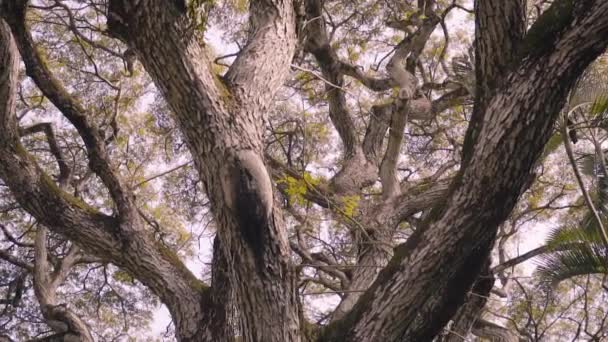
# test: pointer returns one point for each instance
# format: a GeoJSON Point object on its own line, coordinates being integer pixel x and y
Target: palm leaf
{"type": "Point", "coordinates": [578, 259]}
{"type": "Point", "coordinates": [590, 95]}
{"type": "Point", "coordinates": [574, 250]}
{"type": "Point", "coordinates": [587, 232]}
{"type": "Point", "coordinates": [577, 250]}
{"type": "Point", "coordinates": [588, 165]}
{"type": "Point", "coordinates": [591, 89]}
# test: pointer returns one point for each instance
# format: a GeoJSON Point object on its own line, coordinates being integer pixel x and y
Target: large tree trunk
{"type": "Point", "coordinates": [427, 279]}
{"type": "Point", "coordinates": [222, 119]}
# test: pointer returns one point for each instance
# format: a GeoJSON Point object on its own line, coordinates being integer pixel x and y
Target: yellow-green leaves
{"type": "Point", "coordinates": [600, 106]}
{"type": "Point", "coordinates": [296, 188]}
{"type": "Point", "coordinates": [197, 11]}
{"type": "Point", "coordinates": [350, 204]}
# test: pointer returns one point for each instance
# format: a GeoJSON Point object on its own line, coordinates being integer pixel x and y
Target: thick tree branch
{"type": "Point", "coordinates": [60, 318]}
{"type": "Point", "coordinates": [401, 70]}
{"type": "Point", "coordinates": [382, 221]}
{"type": "Point", "coordinates": [373, 83]}
{"type": "Point", "coordinates": [492, 38]}
{"type": "Point", "coordinates": [428, 277]}
{"type": "Point", "coordinates": [388, 167]}
{"type": "Point", "coordinates": [14, 11]}
{"type": "Point", "coordinates": [271, 36]}
{"type": "Point", "coordinates": [470, 312]}
{"type": "Point", "coordinates": [318, 44]}
{"type": "Point", "coordinates": [126, 245]}
{"type": "Point", "coordinates": [223, 121]}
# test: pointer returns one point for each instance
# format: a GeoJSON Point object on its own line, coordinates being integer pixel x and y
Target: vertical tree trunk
{"type": "Point", "coordinates": [222, 119]}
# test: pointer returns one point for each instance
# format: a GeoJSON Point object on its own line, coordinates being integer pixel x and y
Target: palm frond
{"type": "Point", "coordinates": [578, 259]}
{"type": "Point", "coordinates": [588, 229]}
{"type": "Point", "coordinates": [586, 233]}
{"type": "Point", "coordinates": [579, 249]}
{"type": "Point", "coordinates": [588, 165]}
{"type": "Point", "coordinates": [591, 89]}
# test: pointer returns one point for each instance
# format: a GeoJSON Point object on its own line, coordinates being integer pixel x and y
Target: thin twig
{"type": "Point", "coordinates": [314, 73]}
{"type": "Point", "coordinates": [164, 173]}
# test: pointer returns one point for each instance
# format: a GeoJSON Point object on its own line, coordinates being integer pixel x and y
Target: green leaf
{"type": "Point", "coordinates": [580, 259]}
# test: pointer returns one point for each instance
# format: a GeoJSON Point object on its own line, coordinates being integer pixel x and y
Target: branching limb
{"type": "Point", "coordinates": [492, 38]}
{"type": "Point", "coordinates": [126, 244]}
{"type": "Point", "coordinates": [47, 128]}
{"type": "Point", "coordinates": [518, 121]}
{"type": "Point", "coordinates": [46, 281]}
{"type": "Point", "coordinates": [14, 12]}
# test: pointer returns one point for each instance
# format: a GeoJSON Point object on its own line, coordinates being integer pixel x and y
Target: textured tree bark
{"type": "Point", "coordinates": [382, 222]}
{"type": "Point", "coordinates": [121, 240]}
{"type": "Point", "coordinates": [428, 277]}
{"type": "Point", "coordinates": [60, 318]}
{"type": "Point", "coordinates": [63, 320]}
{"type": "Point", "coordinates": [425, 282]}
{"type": "Point", "coordinates": [219, 306]}
{"type": "Point", "coordinates": [492, 39]}
{"type": "Point", "coordinates": [222, 119]}
{"type": "Point", "coordinates": [471, 310]}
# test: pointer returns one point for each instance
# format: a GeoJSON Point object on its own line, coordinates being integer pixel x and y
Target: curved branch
{"type": "Point", "coordinates": [222, 120]}
{"type": "Point", "coordinates": [14, 12]}
{"type": "Point", "coordinates": [581, 184]}
{"type": "Point", "coordinates": [272, 37]}
{"type": "Point", "coordinates": [492, 38]}
{"type": "Point", "coordinates": [318, 44]}
{"type": "Point", "coordinates": [413, 301]}
{"type": "Point", "coordinates": [60, 318]}
{"type": "Point", "coordinates": [127, 245]}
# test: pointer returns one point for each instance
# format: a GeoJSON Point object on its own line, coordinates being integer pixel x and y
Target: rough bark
{"type": "Point", "coordinates": [383, 221]}
{"type": "Point", "coordinates": [427, 279]}
{"type": "Point", "coordinates": [222, 120]}
{"type": "Point", "coordinates": [358, 170]}
{"type": "Point", "coordinates": [364, 161]}
{"type": "Point", "coordinates": [121, 240]}
{"type": "Point", "coordinates": [64, 321]}
{"type": "Point", "coordinates": [470, 312]}
{"type": "Point", "coordinates": [492, 39]}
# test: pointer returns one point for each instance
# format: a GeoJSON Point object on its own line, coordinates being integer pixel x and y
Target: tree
{"type": "Point", "coordinates": [522, 79]}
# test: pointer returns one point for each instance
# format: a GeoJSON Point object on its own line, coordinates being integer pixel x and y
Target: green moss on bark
{"type": "Point", "coordinates": [72, 200]}
{"type": "Point", "coordinates": [174, 260]}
